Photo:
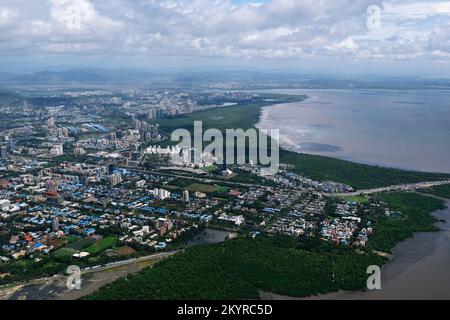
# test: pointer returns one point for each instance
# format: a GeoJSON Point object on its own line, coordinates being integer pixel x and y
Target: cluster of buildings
{"type": "Point", "coordinates": [182, 157]}
{"type": "Point", "coordinates": [103, 188]}
{"type": "Point", "coordinates": [293, 224]}
{"type": "Point", "coordinates": [340, 230]}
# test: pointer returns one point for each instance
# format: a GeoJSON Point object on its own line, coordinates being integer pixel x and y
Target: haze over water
{"type": "Point", "coordinates": [403, 129]}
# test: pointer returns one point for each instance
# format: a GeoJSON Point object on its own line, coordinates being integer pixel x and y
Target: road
{"type": "Point", "coordinates": [98, 276]}
{"type": "Point", "coordinates": [125, 262]}
{"type": "Point", "coordinates": [398, 187]}
{"type": "Point", "coordinates": [204, 180]}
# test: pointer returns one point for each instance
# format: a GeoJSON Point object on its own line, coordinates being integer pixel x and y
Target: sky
{"type": "Point", "coordinates": [393, 37]}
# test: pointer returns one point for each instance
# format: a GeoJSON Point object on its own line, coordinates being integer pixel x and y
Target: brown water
{"type": "Point", "coordinates": [403, 129]}
{"type": "Point", "coordinates": [420, 268]}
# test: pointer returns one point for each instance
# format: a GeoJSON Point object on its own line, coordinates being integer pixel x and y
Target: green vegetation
{"type": "Point", "coordinates": [222, 189]}
{"type": "Point", "coordinates": [242, 268]}
{"type": "Point", "coordinates": [242, 116]}
{"type": "Point", "coordinates": [124, 251]}
{"type": "Point", "coordinates": [359, 199]}
{"type": "Point", "coordinates": [415, 217]}
{"type": "Point", "coordinates": [439, 191]}
{"type": "Point", "coordinates": [64, 253]}
{"type": "Point", "coordinates": [205, 188]}
{"type": "Point", "coordinates": [80, 244]}
{"type": "Point", "coordinates": [102, 245]}
{"type": "Point", "coordinates": [191, 275]}
{"type": "Point", "coordinates": [359, 176]}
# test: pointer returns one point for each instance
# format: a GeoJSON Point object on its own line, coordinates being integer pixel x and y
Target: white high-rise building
{"type": "Point", "coordinates": [161, 194]}
{"type": "Point", "coordinates": [57, 150]}
{"type": "Point", "coordinates": [115, 179]}
{"type": "Point", "coordinates": [51, 122]}
{"type": "Point", "coordinates": [185, 196]}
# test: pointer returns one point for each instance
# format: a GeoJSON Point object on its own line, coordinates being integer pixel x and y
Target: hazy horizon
{"type": "Point", "coordinates": [392, 38]}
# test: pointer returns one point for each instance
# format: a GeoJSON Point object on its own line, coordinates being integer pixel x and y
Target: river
{"type": "Point", "coordinates": [418, 270]}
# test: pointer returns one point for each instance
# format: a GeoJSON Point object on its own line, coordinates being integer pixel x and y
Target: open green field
{"type": "Point", "coordinates": [206, 188]}
{"type": "Point", "coordinates": [64, 253]}
{"type": "Point", "coordinates": [124, 251]}
{"type": "Point", "coordinates": [243, 116]}
{"type": "Point", "coordinates": [358, 199]}
{"type": "Point", "coordinates": [102, 245]}
{"type": "Point", "coordinates": [80, 244]}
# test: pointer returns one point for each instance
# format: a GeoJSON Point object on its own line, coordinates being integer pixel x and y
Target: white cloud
{"type": "Point", "coordinates": [275, 29]}
{"type": "Point", "coordinates": [6, 15]}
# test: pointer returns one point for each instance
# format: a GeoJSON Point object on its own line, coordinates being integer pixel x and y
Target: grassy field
{"type": "Point", "coordinates": [65, 253]}
{"type": "Point", "coordinates": [206, 188]}
{"type": "Point", "coordinates": [81, 244]}
{"type": "Point", "coordinates": [101, 245]}
{"type": "Point", "coordinates": [359, 199]}
{"type": "Point", "coordinates": [243, 116]}
{"type": "Point", "coordinates": [124, 251]}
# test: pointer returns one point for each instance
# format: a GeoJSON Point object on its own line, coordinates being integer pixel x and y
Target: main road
{"type": "Point", "coordinates": [398, 187]}
{"type": "Point", "coordinates": [199, 179]}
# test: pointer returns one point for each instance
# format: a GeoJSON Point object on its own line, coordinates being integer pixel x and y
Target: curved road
{"type": "Point", "coordinates": [398, 187]}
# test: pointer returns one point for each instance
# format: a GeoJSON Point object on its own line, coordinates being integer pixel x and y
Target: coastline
{"type": "Point", "coordinates": [416, 270]}
{"type": "Point", "coordinates": [323, 124]}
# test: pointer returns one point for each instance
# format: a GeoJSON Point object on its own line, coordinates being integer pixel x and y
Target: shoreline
{"type": "Point", "coordinates": [326, 149]}
{"type": "Point", "coordinates": [416, 269]}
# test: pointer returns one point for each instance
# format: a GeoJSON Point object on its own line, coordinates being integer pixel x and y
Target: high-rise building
{"type": "Point", "coordinates": [186, 196]}
{"type": "Point", "coordinates": [57, 150]}
{"type": "Point", "coordinates": [115, 179]}
{"type": "Point", "coordinates": [55, 224]}
{"type": "Point", "coordinates": [161, 194]}
{"type": "Point", "coordinates": [11, 146]}
{"type": "Point", "coordinates": [110, 168]}
{"type": "Point", "coordinates": [65, 132]}
{"type": "Point", "coordinates": [2, 152]}
{"type": "Point", "coordinates": [79, 152]}
{"type": "Point", "coordinates": [51, 122]}
{"type": "Point", "coordinates": [59, 133]}
{"type": "Point", "coordinates": [154, 113]}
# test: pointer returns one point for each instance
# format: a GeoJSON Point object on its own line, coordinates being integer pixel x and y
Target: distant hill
{"type": "Point", "coordinates": [242, 79]}
{"type": "Point", "coordinates": [83, 76]}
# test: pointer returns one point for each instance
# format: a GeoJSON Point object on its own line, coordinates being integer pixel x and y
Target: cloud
{"type": "Point", "coordinates": [6, 16]}
{"type": "Point", "coordinates": [275, 29]}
